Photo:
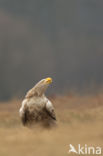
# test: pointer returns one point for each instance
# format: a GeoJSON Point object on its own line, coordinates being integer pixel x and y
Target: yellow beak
{"type": "Point", "coordinates": [48, 80]}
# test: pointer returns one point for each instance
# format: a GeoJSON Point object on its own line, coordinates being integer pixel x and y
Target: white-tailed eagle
{"type": "Point", "coordinates": [36, 107]}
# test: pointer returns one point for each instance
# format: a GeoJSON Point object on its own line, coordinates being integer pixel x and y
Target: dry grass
{"type": "Point", "coordinates": [80, 121]}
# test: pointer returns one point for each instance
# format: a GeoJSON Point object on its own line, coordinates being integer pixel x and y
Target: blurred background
{"type": "Point", "coordinates": [41, 38]}
{"type": "Point", "coordinates": [62, 39]}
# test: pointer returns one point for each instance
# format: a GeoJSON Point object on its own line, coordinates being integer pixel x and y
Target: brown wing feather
{"type": "Point", "coordinates": [51, 114]}
{"type": "Point", "coordinates": [24, 118]}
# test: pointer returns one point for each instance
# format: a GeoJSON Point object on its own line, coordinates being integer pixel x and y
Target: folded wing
{"type": "Point", "coordinates": [50, 110]}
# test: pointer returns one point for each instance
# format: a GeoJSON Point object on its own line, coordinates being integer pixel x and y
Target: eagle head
{"type": "Point", "coordinates": [40, 88]}
{"type": "Point", "coordinates": [48, 80]}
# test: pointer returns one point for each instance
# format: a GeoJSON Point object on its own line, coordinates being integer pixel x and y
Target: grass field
{"type": "Point", "coordinates": [80, 121]}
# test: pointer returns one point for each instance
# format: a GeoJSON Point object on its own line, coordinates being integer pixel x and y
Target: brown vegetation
{"type": "Point", "coordinates": [80, 121]}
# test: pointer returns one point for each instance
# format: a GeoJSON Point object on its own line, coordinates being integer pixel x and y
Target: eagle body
{"type": "Point", "coordinates": [36, 107]}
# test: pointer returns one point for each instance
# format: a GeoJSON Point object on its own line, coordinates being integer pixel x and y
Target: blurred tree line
{"type": "Point", "coordinates": [61, 39]}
